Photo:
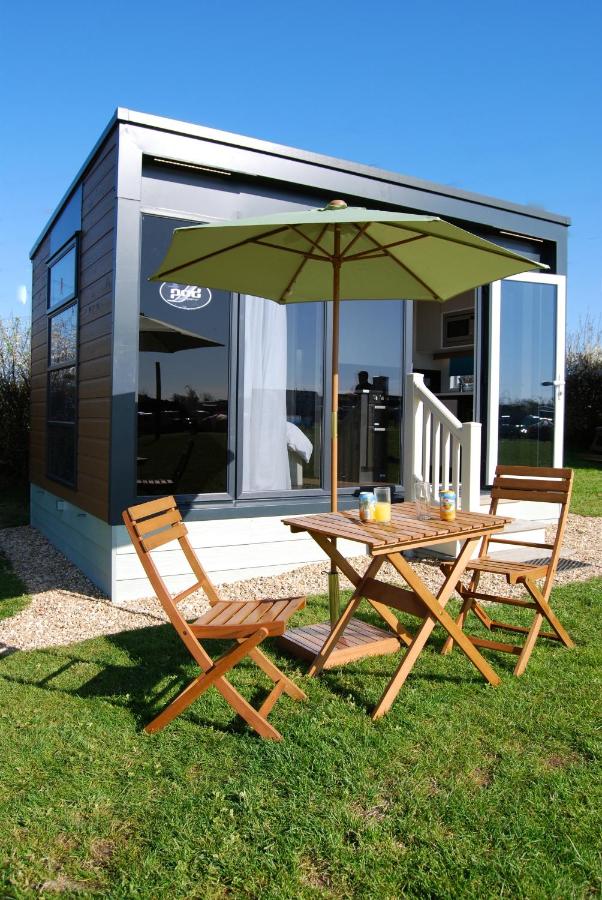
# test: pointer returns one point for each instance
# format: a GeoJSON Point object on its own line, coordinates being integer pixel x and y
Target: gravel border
{"type": "Point", "coordinates": [67, 608]}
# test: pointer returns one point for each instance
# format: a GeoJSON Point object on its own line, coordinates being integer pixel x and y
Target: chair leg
{"type": "Point", "coordinates": [215, 676]}
{"type": "Point", "coordinates": [521, 663]}
{"type": "Point", "coordinates": [544, 608]}
{"type": "Point", "coordinates": [273, 672]}
{"type": "Point", "coordinates": [448, 646]}
{"type": "Point", "coordinates": [469, 603]}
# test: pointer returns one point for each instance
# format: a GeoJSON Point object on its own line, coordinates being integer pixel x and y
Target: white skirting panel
{"type": "Point", "coordinates": [83, 538]}
{"type": "Point", "coordinates": [229, 549]}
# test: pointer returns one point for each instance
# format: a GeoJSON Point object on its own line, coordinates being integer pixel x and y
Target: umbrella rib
{"type": "Point", "coordinates": [494, 249]}
{"type": "Point", "coordinates": [405, 268]}
{"type": "Point", "coordinates": [315, 243]}
{"type": "Point", "coordinates": [306, 253]}
{"type": "Point", "coordinates": [365, 253]}
{"type": "Point", "coordinates": [227, 249]}
{"type": "Point", "coordinates": [360, 232]}
{"type": "Point", "coordinates": [293, 279]}
{"type": "Point", "coordinates": [300, 269]}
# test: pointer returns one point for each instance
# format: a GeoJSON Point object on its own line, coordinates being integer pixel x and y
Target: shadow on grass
{"type": "Point", "coordinates": [158, 669]}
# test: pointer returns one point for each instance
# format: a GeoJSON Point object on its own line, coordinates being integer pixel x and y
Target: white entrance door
{"type": "Point", "coordinates": [525, 415]}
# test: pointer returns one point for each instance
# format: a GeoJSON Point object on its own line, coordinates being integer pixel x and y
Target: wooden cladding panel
{"type": "Point", "coordinates": [95, 349]}
{"type": "Point", "coordinates": [106, 185]}
{"type": "Point", "coordinates": [94, 388]}
{"type": "Point", "coordinates": [95, 448]}
{"type": "Point", "coordinates": [102, 211]}
{"type": "Point", "coordinates": [93, 292]}
{"type": "Point", "coordinates": [98, 270]}
{"type": "Point", "coordinates": [97, 250]}
{"type": "Point", "coordinates": [95, 368]}
{"type": "Point", "coordinates": [95, 301]}
{"type": "Point", "coordinates": [91, 331]}
{"type": "Point", "coordinates": [104, 161]}
{"type": "Point", "coordinates": [95, 408]}
{"type": "Point", "coordinates": [92, 468]}
{"type": "Point", "coordinates": [96, 309]}
{"type": "Point", "coordinates": [96, 230]}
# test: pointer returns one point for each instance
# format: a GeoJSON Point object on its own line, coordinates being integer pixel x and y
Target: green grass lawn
{"type": "Point", "coordinates": [587, 486]}
{"type": "Point", "coordinates": [13, 597]}
{"type": "Point", "coordinates": [463, 790]}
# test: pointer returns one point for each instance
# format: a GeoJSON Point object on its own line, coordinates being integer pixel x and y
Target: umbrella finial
{"type": "Point", "coordinates": [336, 204]}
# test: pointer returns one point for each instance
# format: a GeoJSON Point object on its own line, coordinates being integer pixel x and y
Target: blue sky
{"type": "Point", "coordinates": [502, 99]}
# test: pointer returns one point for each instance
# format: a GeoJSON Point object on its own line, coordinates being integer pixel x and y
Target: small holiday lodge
{"type": "Point", "coordinates": [141, 389]}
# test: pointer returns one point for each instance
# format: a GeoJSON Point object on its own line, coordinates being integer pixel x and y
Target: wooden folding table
{"type": "Point", "coordinates": [351, 638]}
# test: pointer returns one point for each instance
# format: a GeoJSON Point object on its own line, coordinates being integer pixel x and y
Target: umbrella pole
{"type": "Point", "coordinates": [333, 577]}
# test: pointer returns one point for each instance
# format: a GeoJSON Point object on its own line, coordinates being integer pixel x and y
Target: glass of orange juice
{"type": "Point", "coordinates": [382, 510]}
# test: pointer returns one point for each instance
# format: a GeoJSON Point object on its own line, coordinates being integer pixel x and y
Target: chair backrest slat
{"type": "Point", "coordinates": [533, 484]}
{"type": "Point", "coordinates": [173, 533]}
{"type": "Point", "coordinates": [153, 524]}
{"type": "Point", "coordinates": [533, 471]}
{"type": "Point", "coordinates": [539, 485]}
{"type": "Point", "coordinates": [151, 508]}
{"type": "Point", "coordinates": [534, 495]}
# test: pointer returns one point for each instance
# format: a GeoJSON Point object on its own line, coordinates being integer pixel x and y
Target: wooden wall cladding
{"type": "Point", "coordinates": [97, 242]}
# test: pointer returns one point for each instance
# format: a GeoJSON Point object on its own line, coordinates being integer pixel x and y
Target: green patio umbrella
{"type": "Point", "coordinates": [337, 253]}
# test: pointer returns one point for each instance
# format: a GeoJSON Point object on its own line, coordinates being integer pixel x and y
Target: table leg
{"type": "Point", "coordinates": [435, 605]}
{"type": "Point", "coordinates": [333, 638]}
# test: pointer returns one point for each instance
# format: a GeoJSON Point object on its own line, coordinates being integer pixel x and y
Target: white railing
{"type": "Point", "coordinates": [438, 448]}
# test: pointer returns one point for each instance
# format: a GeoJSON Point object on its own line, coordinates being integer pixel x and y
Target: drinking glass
{"type": "Point", "coordinates": [423, 499]}
{"type": "Point", "coordinates": [382, 510]}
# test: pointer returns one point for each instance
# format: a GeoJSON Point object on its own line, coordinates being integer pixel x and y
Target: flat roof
{"type": "Point", "coordinates": [174, 126]}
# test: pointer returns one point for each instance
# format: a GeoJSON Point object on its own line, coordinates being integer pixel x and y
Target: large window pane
{"type": "Point", "coordinates": [370, 366]}
{"type": "Point", "coordinates": [61, 452]}
{"type": "Point", "coordinates": [183, 371]}
{"type": "Point", "coordinates": [61, 395]}
{"type": "Point", "coordinates": [527, 362]}
{"type": "Point", "coordinates": [282, 395]}
{"type": "Point", "coordinates": [63, 337]}
{"type": "Point", "coordinates": [63, 279]}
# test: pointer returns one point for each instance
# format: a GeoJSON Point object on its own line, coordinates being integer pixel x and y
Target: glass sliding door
{"type": "Point", "coordinates": [282, 397]}
{"type": "Point", "coordinates": [370, 388]}
{"type": "Point", "coordinates": [184, 406]}
{"type": "Point", "coordinates": [526, 378]}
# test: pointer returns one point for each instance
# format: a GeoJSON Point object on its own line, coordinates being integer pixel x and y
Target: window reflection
{"type": "Point", "coordinates": [527, 362]}
{"type": "Point", "coordinates": [63, 337]}
{"type": "Point", "coordinates": [282, 395]}
{"type": "Point", "coordinates": [370, 354]}
{"type": "Point", "coordinates": [183, 378]}
{"type": "Point", "coordinates": [62, 279]}
{"type": "Point", "coordinates": [61, 395]}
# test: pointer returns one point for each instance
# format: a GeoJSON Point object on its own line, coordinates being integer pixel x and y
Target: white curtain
{"type": "Point", "coordinates": [265, 455]}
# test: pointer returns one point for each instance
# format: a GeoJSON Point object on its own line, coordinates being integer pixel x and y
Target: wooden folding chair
{"type": "Point", "coordinates": [540, 486]}
{"type": "Point", "coordinates": [157, 522]}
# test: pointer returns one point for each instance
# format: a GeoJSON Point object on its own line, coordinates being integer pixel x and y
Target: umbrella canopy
{"type": "Point", "coordinates": [337, 253]}
{"type": "Point", "coordinates": [159, 337]}
{"type": "Point", "coordinates": [290, 257]}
